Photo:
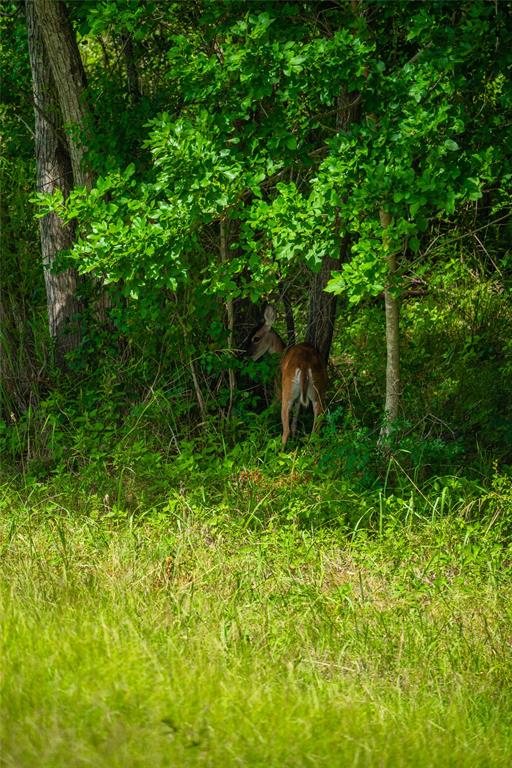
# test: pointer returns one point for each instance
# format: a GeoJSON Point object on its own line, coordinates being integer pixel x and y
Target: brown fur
{"type": "Point", "coordinates": [301, 361]}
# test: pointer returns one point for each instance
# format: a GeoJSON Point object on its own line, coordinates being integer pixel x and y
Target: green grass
{"type": "Point", "coordinates": [163, 639]}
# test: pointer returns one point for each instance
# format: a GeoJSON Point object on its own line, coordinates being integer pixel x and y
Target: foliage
{"type": "Point", "coordinates": [248, 145]}
{"type": "Point", "coordinates": [292, 125]}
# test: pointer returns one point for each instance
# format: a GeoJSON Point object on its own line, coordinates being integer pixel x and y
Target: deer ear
{"type": "Point", "coordinates": [269, 315]}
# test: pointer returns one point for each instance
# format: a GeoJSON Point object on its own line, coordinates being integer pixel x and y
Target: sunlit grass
{"type": "Point", "coordinates": [171, 642]}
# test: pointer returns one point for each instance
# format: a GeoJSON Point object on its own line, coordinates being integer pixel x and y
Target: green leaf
{"type": "Point", "coordinates": [291, 142]}
{"type": "Point", "coordinates": [414, 244]}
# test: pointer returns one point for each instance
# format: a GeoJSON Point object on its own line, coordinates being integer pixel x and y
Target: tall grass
{"type": "Point", "coordinates": [164, 639]}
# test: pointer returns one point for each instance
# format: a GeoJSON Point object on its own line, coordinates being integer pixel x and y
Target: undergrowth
{"type": "Point", "coordinates": [256, 613]}
{"type": "Point", "coordinates": [177, 592]}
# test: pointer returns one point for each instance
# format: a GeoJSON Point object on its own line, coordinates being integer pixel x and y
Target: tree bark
{"type": "Point", "coordinates": [70, 84]}
{"type": "Point", "coordinates": [132, 77]}
{"type": "Point", "coordinates": [392, 402]}
{"type": "Point", "coordinates": [70, 80]}
{"type": "Point", "coordinates": [323, 306]}
{"type": "Point", "coordinates": [288, 314]}
{"type": "Point", "coordinates": [322, 310]}
{"type": "Point", "coordinates": [53, 172]}
{"type": "Point", "coordinates": [230, 315]}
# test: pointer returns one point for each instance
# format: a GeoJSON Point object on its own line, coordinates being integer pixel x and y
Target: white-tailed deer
{"type": "Point", "coordinates": [303, 374]}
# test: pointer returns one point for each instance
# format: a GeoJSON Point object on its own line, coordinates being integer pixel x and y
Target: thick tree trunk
{"type": "Point", "coordinates": [53, 172]}
{"type": "Point", "coordinates": [392, 403]}
{"type": "Point", "coordinates": [322, 310]}
{"type": "Point", "coordinates": [70, 80]}
{"type": "Point", "coordinates": [70, 84]}
{"type": "Point", "coordinates": [323, 306]}
{"type": "Point", "coordinates": [288, 314]}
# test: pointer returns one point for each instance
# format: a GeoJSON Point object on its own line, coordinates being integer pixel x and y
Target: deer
{"type": "Point", "coordinates": [303, 374]}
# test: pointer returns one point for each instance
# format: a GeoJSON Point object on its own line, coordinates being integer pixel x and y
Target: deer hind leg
{"type": "Point", "coordinates": [285, 419]}
{"type": "Point", "coordinates": [317, 411]}
{"type": "Point", "coordinates": [295, 417]}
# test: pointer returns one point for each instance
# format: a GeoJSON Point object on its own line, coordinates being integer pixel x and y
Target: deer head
{"type": "Point", "coordinates": [263, 339]}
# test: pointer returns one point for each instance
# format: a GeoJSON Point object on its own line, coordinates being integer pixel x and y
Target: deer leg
{"type": "Point", "coordinates": [295, 417]}
{"type": "Point", "coordinates": [285, 419]}
{"type": "Point", "coordinates": [317, 411]}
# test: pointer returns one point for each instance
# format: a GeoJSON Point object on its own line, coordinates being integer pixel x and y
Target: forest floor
{"type": "Point", "coordinates": [181, 637]}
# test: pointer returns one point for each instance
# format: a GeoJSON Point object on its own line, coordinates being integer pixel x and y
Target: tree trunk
{"type": "Point", "coordinates": [132, 78]}
{"type": "Point", "coordinates": [70, 84]}
{"type": "Point", "coordinates": [392, 403]}
{"type": "Point", "coordinates": [288, 314]}
{"type": "Point", "coordinates": [322, 306]}
{"type": "Point", "coordinates": [322, 310]}
{"type": "Point", "coordinates": [70, 80]}
{"type": "Point", "coordinates": [53, 172]}
{"type": "Point", "coordinates": [230, 315]}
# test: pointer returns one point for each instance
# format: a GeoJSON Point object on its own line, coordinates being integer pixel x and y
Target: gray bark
{"type": "Point", "coordinates": [392, 402]}
{"type": "Point", "coordinates": [53, 172]}
{"type": "Point", "coordinates": [70, 80]}
{"type": "Point", "coordinates": [70, 84]}
{"type": "Point", "coordinates": [322, 305]}
{"type": "Point", "coordinates": [322, 310]}
{"type": "Point", "coordinates": [288, 314]}
{"type": "Point", "coordinates": [230, 314]}
{"type": "Point", "coordinates": [132, 77]}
